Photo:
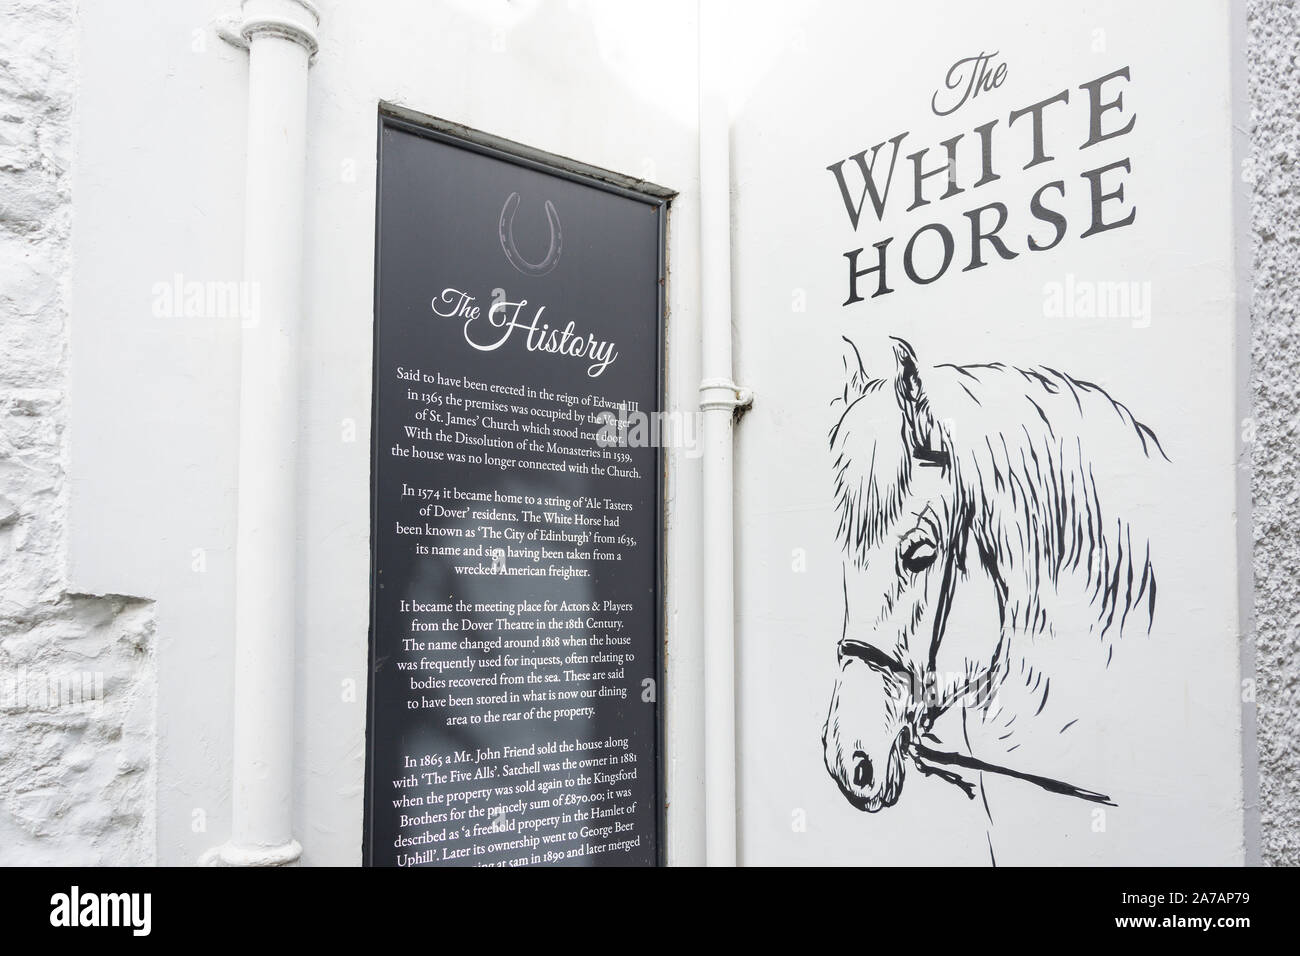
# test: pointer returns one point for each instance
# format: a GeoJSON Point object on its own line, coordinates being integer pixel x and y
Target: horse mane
{"type": "Point", "coordinates": [869, 500]}
{"type": "Point", "coordinates": [1018, 444]}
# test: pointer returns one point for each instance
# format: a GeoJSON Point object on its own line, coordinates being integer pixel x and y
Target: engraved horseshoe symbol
{"type": "Point", "coordinates": [508, 239]}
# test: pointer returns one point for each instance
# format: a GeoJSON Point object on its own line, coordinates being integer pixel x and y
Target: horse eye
{"type": "Point", "coordinates": [918, 552]}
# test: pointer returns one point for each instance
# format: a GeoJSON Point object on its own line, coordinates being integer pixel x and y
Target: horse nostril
{"type": "Point", "coordinates": [862, 775]}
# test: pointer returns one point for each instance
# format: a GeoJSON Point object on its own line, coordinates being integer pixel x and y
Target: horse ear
{"type": "Point", "coordinates": [855, 373]}
{"type": "Point", "coordinates": [918, 421]}
{"type": "Point", "coordinates": [907, 379]}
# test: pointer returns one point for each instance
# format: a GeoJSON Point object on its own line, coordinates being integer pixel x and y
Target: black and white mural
{"type": "Point", "coordinates": [979, 477]}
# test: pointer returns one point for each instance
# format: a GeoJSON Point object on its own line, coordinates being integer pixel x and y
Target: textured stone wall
{"type": "Point", "coordinates": [1272, 49]}
{"type": "Point", "coordinates": [77, 679]}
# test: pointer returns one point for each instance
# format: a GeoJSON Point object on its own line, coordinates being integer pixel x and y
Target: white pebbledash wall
{"type": "Point", "coordinates": [1274, 429]}
{"type": "Point", "coordinates": [153, 506]}
{"type": "Point", "coordinates": [77, 681]}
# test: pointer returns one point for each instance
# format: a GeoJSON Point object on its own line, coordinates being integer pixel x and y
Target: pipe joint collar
{"type": "Point", "coordinates": [230, 854]}
{"type": "Point", "coordinates": [294, 20]}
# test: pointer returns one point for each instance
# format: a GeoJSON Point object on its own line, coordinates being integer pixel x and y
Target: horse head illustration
{"type": "Point", "coordinates": [972, 524]}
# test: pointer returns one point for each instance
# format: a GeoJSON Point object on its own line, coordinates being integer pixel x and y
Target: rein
{"type": "Point", "coordinates": [923, 755]}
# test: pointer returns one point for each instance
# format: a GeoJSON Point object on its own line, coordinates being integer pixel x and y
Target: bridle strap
{"type": "Point", "coordinates": [881, 662]}
{"type": "Point", "coordinates": [872, 656]}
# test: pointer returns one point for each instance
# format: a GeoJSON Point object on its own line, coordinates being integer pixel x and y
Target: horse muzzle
{"type": "Point", "coordinates": [866, 735]}
{"type": "Point", "coordinates": [868, 783]}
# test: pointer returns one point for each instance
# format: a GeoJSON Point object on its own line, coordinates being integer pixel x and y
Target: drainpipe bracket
{"type": "Point", "coordinates": [722, 394]}
{"type": "Point", "coordinates": [228, 854]}
{"type": "Point", "coordinates": [231, 29]}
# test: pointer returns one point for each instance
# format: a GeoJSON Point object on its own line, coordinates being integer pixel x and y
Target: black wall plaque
{"type": "Point", "coordinates": [515, 638]}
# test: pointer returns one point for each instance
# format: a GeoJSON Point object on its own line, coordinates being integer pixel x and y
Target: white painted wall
{"type": "Point", "coordinates": [1160, 730]}
{"type": "Point", "coordinates": [154, 160]}
{"type": "Point", "coordinates": [159, 166]}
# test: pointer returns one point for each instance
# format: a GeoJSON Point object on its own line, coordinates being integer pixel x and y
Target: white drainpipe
{"type": "Point", "coordinates": [719, 399]}
{"type": "Point", "coordinates": [281, 38]}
